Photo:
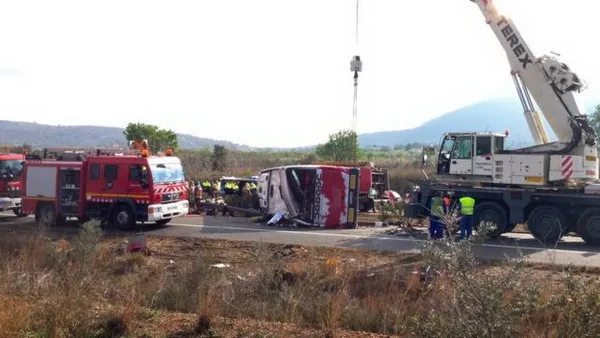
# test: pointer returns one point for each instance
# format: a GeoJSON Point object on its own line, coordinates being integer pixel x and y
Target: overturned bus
{"type": "Point", "coordinates": [317, 195]}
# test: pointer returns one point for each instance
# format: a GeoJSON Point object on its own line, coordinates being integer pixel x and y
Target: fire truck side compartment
{"type": "Point", "coordinates": [41, 182]}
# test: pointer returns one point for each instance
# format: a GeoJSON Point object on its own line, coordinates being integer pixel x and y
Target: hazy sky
{"type": "Point", "coordinates": [270, 72]}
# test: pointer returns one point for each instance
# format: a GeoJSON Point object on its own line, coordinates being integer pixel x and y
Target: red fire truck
{"type": "Point", "coordinates": [112, 186]}
{"type": "Point", "coordinates": [11, 166]}
{"type": "Point", "coordinates": [370, 177]}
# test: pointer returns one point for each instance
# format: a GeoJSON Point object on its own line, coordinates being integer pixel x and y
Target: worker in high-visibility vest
{"type": "Point", "coordinates": [437, 210]}
{"type": "Point", "coordinates": [467, 207]}
{"type": "Point", "coordinates": [206, 186]}
{"type": "Point", "coordinates": [216, 189]}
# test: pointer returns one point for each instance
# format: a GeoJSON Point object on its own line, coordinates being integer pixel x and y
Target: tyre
{"type": "Point", "coordinates": [351, 226]}
{"type": "Point", "coordinates": [366, 205]}
{"type": "Point", "coordinates": [588, 226]}
{"type": "Point", "coordinates": [547, 224]}
{"type": "Point", "coordinates": [19, 212]}
{"type": "Point", "coordinates": [46, 215]}
{"type": "Point", "coordinates": [163, 221]}
{"type": "Point", "coordinates": [510, 228]}
{"type": "Point", "coordinates": [61, 220]}
{"type": "Point", "coordinates": [123, 217]}
{"type": "Point", "coordinates": [493, 217]}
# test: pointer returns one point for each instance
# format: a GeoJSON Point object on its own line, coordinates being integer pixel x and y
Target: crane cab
{"type": "Point", "coordinates": [469, 154]}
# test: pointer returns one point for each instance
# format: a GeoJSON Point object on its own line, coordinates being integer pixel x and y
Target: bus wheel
{"type": "Point", "coordinates": [123, 217]}
{"type": "Point", "coordinates": [46, 215]}
{"type": "Point", "coordinates": [547, 224]}
{"type": "Point", "coordinates": [588, 226]}
{"type": "Point", "coordinates": [491, 218]}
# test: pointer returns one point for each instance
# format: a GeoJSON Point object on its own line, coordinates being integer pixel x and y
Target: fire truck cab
{"type": "Point", "coordinates": [11, 166]}
{"type": "Point", "coordinates": [117, 189]}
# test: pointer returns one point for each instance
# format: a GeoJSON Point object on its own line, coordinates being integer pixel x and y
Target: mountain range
{"type": "Point", "coordinates": [43, 135]}
{"type": "Point", "coordinates": [491, 115]}
{"type": "Point", "coordinates": [495, 115]}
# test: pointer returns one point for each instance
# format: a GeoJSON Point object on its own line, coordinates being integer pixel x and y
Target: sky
{"type": "Point", "coordinates": [270, 72]}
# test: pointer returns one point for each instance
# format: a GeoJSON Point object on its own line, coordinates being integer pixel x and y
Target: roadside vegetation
{"type": "Point", "coordinates": [86, 286]}
{"type": "Point", "coordinates": [403, 160]}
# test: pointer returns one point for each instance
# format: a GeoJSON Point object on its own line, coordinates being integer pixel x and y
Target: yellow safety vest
{"type": "Point", "coordinates": [467, 205]}
{"type": "Point", "coordinates": [437, 206]}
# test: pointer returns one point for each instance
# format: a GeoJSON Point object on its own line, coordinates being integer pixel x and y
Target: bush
{"type": "Point", "coordinates": [58, 288]}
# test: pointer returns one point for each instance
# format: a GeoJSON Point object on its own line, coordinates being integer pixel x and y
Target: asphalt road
{"type": "Point", "coordinates": [571, 250]}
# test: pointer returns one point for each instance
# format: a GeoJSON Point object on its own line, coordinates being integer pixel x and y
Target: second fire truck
{"type": "Point", "coordinates": [116, 188]}
{"type": "Point", "coordinates": [11, 166]}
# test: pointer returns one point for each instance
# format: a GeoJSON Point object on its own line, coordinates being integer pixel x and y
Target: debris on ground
{"type": "Point", "coordinates": [278, 218]}
{"type": "Point", "coordinates": [220, 265]}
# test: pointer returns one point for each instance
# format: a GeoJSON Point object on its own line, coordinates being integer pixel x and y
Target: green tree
{"type": "Point", "coordinates": [340, 147]}
{"type": "Point", "coordinates": [158, 139]}
{"type": "Point", "coordinates": [219, 158]}
{"type": "Point", "coordinates": [595, 120]}
{"type": "Point", "coordinates": [22, 148]}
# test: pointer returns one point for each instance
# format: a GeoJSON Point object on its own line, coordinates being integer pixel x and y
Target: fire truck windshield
{"type": "Point", "coordinates": [13, 167]}
{"type": "Point", "coordinates": [167, 173]}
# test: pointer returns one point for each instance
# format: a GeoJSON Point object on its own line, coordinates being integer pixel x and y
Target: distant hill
{"type": "Point", "coordinates": [493, 115]}
{"type": "Point", "coordinates": [42, 135]}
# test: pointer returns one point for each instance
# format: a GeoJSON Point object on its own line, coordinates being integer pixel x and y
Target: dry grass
{"type": "Point", "coordinates": [79, 287]}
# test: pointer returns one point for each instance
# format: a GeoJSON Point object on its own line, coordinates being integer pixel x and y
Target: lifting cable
{"type": "Point", "coordinates": [356, 67]}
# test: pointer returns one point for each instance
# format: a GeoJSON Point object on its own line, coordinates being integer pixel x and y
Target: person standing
{"type": "Point", "coordinates": [467, 207]}
{"type": "Point", "coordinates": [216, 189]}
{"type": "Point", "coordinates": [372, 196]}
{"type": "Point", "coordinates": [438, 210]}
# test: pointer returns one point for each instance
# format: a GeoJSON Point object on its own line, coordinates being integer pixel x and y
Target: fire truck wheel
{"type": "Point", "coordinates": [61, 220]}
{"type": "Point", "coordinates": [19, 212]}
{"type": "Point", "coordinates": [46, 216]}
{"type": "Point", "coordinates": [163, 221]}
{"type": "Point", "coordinates": [123, 217]}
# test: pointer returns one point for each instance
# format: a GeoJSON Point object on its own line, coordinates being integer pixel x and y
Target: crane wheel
{"type": "Point", "coordinates": [491, 218]}
{"type": "Point", "coordinates": [588, 226]}
{"type": "Point", "coordinates": [547, 224]}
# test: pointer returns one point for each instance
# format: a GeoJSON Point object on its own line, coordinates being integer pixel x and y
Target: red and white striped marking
{"type": "Point", "coordinates": [110, 200]}
{"type": "Point", "coordinates": [171, 188]}
{"type": "Point", "coordinates": [567, 167]}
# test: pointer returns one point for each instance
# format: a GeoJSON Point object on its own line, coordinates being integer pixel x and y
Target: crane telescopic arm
{"type": "Point", "coordinates": [551, 83]}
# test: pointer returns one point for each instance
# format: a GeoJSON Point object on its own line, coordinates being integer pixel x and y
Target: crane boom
{"type": "Point", "coordinates": [551, 83]}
